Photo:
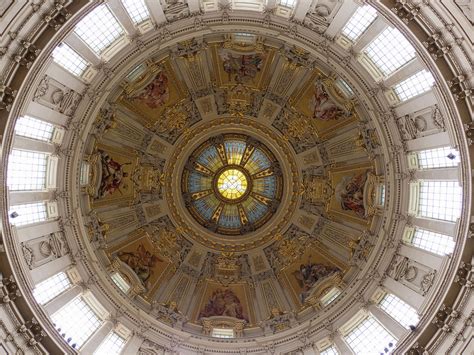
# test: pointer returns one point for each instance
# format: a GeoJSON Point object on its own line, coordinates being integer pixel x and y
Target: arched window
{"type": "Point", "coordinates": [99, 29]}
{"type": "Point", "coordinates": [359, 22]}
{"type": "Point", "coordinates": [48, 289]}
{"type": "Point", "coordinates": [70, 60]}
{"type": "Point", "coordinates": [27, 170]}
{"type": "Point", "coordinates": [330, 351]}
{"type": "Point", "coordinates": [76, 322]}
{"type": "Point", "coordinates": [112, 345]}
{"type": "Point", "coordinates": [414, 85]}
{"type": "Point", "coordinates": [437, 243]}
{"type": "Point", "coordinates": [137, 10]}
{"type": "Point", "coordinates": [370, 337]}
{"type": "Point", "coordinates": [440, 200]}
{"type": "Point", "coordinates": [399, 310]}
{"type": "Point", "coordinates": [33, 128]}
{"type": "Point", "coordinates": [390, 51]}
{"type": "Point", "coordinates": [442, 157]}
{"type": "Point", "coordinates": [28, 213]}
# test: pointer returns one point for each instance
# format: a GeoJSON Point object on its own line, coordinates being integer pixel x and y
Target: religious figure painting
{"type": "Point", "coordinates": [322, 106]}
{"type": "Point", "coordinates": [223, 302]}
{"type": "Point", "coordinates": [113, 175]}
{"type": "Point", "coordinates": [309, 274]}
{"type": "Point", "coordinates": [242, 69]}
{"type": "Point", "coordinates": [349, 193]}
{"type": "Point", "coordinates": [156, 93]}
{"type": "Point", "coordinates": [142, 262]}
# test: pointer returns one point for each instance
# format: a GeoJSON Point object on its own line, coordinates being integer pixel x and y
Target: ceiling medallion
{"type": "Point", "coordinates": [232, 184]}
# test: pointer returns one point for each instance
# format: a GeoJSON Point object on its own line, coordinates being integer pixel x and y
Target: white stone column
{"type": "Point", "coordinates": [369, 35]}
{"type": "Point", "coordinates": [97, 338]}
{"type": "Point", "coordinates": [309, 350]}
{"type": "Point", "coordinates": [302, 8]}
{"type": "Point", "coordinates": [132, 345]}
{"type": "Point", "coordinates": [36, 230]}
{"type": "Point", "coordinates": [416, 103]}
{"type": "Point", "coordinates": [341, 345]}
{"type": "Point", "coordinates": [438, 174]}
{"type": "Point", "coordinates": [438, 226]}
{"type": "Point", "coordinates": [22, 197]}
{"type": "Point", "coordinates": [395, 328]}
{"type": "Point", "coordinates": [49, 269]}
{"type": "Point", "coordinates": [20, 142]}
{"type": "Point", "coordinates": [412, 67]}
{"type": "Point", "coordinates": [345, 12]}
{"type": "Point", "coordinates": [432, 141]}
{"type": "Point", "coordinates": [122, 16]}
{"type": "Point", "coordinates": [424, 257]}
{"type": "Point", "coordinates": [156, 11]}
{"type": "Point", "coordinates": [403, 292]}
{"type": "Point", "coordinates": [61, 300]}
{"type": "Point", "coordinates": [80, 47]}
{"type": "Point", "coordinates": [46, 114]}
{"type": "Point", "coordinates": [193, 6]}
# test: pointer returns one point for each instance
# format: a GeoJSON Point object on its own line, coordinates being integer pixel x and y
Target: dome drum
{"type": "Point", "coordinates": [227, 175]}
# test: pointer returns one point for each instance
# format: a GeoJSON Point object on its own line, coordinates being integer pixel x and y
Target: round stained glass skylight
{"type": "Point", "coordinates": [232, 184]}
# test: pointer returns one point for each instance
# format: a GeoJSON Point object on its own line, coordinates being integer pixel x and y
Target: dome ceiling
{"type": "Point", "coordinates": [236, 170]}
{"type": "Point", "coordinates": [233, 180]}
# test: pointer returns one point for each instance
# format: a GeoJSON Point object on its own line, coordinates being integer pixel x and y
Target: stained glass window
{"type": "Point", "coordinates": [232, 184]}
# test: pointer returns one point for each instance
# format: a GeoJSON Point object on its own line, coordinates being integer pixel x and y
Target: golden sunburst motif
{"type": "Point", "coordinates": [232, 184]}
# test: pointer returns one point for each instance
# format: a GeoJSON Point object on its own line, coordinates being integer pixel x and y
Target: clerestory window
{"type": "Point", "coordinates": [359, 22]}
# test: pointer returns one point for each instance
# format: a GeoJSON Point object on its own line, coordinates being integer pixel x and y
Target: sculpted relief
{"type": "Point", "coordinates": [351, 188]}
{"type": "Point", "coordinates": [112, 176]}
{"type": "Point", "coordinates": [141, 261]}
{"type": "Point", "coordinates": [308, 276]}
{"type": "Point", "coordinates": [241, 69]}
{"type": "Point", "coordinates": [349, 193]}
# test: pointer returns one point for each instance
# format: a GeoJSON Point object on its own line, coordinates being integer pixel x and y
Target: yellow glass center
{"type": "Point", "coordinates": [232, 184]}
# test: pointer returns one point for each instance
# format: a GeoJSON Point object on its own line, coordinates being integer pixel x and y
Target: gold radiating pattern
{"type": "Point", "coordinates": [232, 184]}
